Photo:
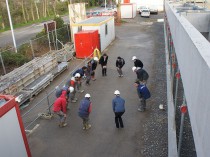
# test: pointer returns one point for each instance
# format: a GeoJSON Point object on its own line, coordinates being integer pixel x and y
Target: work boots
{"type": "Point", "coordinates": [63, 124]}
{"type": "Point", "coordinates": [86, 126]}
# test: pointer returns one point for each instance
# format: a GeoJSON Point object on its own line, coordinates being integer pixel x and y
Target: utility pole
{"type": "Point", "coordinates": [11, 26]}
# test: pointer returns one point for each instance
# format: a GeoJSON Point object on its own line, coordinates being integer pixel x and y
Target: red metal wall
{"type": "Point", "coordinates": [126, 1]}
{"type": "Point", "coordinates": [86, 42]}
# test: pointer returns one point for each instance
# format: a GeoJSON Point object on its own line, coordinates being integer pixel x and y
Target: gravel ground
{"type": "Point", "coordinates": [155, 128]}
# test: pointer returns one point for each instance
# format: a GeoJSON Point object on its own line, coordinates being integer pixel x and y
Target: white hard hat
{"type": "Point", "coordinates": [133, 68]}
{"type": "Point", "coordinates": [73, 78]}
{"type": "Point", "coordinates": [71, 89]}
{"type": "Point", "coordinates": [133, 58]}
{"type": "Point", "coordinates": [77, 75]}
{"type": "Point", "coordinates": [64, 86]}
{"type": "Point", "coordinates": [95, 58]}
{"type": "Point", "coordinates": [117, 92]}
{"type": "Point", "coordinates": [87, 95]}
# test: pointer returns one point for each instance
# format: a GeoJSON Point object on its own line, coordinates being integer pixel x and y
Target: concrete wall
{"type": "Point", "coordinates": [193, 54]}
{"type": "Point", "coordinates": [201, 21]}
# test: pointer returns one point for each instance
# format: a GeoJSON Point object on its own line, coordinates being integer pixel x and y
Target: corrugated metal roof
{"type": "Point", "coordinates": [95, 20]}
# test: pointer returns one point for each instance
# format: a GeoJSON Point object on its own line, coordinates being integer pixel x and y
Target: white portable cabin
{"type": "Point", "coordinates": [104, 25]}
{"type": "Point", "coordinates": [13, 139]}
{"type": "Point", "coordinates": [128, 10]}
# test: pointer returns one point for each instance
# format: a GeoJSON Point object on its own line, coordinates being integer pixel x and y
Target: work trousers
{"type": "Point", "coordinates": [78, 85]}
{"type": "Point", "coordinates": [118, 119]}
{"type": "Point", "coordinates": [72, 95]}
{"type": "Point", "coordinates": [142, 105]}
{"type": "Point", "coordinates": [119, 70]}
{"type": "Point", "coordinates": [103, 70]}
{"type": "Point", "coordinates": [62, 119]}
{"type": "Point", "coordinates": [85, 121]}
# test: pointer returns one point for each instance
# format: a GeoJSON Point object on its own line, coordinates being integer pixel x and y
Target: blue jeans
{"type": "Point", "coordinates": [61, 116]}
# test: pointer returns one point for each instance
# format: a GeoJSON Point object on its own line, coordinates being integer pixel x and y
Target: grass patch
{"type": "Point", "coordinates": [43, 19]}
{"type": "Point", "coordinates": [39, 20]}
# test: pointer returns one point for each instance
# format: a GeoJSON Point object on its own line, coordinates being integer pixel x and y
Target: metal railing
{"type": "Point", "coordinates": [34, 48]}
{"type": "Point", "coordinates": [49, 99]}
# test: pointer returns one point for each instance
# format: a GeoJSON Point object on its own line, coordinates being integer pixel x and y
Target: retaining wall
{"type": "Point", "coordinates": [193, 55]}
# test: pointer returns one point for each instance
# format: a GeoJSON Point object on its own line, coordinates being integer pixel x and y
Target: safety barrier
{"type": "Point", "coordinates": [40, 110]}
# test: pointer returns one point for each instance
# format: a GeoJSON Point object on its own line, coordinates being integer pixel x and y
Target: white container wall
{"type": "Point", "coordinates": [128, 10]}
{"type": "Point", "coordinates": [13, 140]}
{"type": "Point", "coordinates": [192, 51]}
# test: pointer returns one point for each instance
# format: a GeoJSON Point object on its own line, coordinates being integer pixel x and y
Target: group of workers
{"type": "Point", "coordinates": [68, 92]}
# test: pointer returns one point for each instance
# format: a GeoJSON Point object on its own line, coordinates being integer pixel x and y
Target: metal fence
{"type": "Point", "coordinates": [42, 108]}
{"type": "Point", "coordinates": [54, 40]}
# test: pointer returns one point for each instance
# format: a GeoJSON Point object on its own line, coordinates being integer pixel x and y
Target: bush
{"type": "Point", "coordinates": [26, 51]}
{"type": "Point", "coordinates": [12, 58]}
{"type": "Point", "coordinates": [59, 22]}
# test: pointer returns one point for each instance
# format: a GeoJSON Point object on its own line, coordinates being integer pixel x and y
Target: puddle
{"type": "Point", "coordinates": [146, 23]}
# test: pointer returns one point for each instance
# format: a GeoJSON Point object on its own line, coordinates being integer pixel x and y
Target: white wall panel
{"type": "Point", "coordinates": [193, 54]}
{"type": "Point", "coordinates": [126, 11]}
{"type": "Point", "coordinates": [11, 139]}
{"type": "Point", "coordinates": [201, 21]}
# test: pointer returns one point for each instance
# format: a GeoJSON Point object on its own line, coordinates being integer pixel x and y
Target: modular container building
{"type": "Point", "coordinates": [86, 42]}
{"type": "Point", "coordinates": [13, 141]}
{"type": "Point", "coordinates": [104, 25]}
{"type": "Point", "coordinates": [128, 10]}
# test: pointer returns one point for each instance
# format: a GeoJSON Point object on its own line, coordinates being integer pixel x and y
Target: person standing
{"type": "Point", "coordinates": [59, 108]}
{"type": "Point", "coordinates": [94, 63]}
{"type": "Point", "coordinates": [88, 73]}
{"type": "Point", "coordinates": [103, 61]}
{"type": "Point", "coordinates": [78, 82]}
{"type": "Point", "coordinates": [137, 62]}
{"type": "Point", "coordinates": [120, 62]}
{"type": "Point", "coordinates": [142, 75]}
{"type": "Point", "coordinates": [72, 83]}
{"type": "Point", "coordinates": [84, 111]}
{"type": "Point", "coordinates": [143, 94]}
{"type": "Point", "coordinates": [118, 106]}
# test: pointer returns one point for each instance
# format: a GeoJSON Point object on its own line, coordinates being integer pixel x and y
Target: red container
{"type": "Point", "coordinates": [86, 42]}
{"type": "Point", "coordinates": [126, 1]}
